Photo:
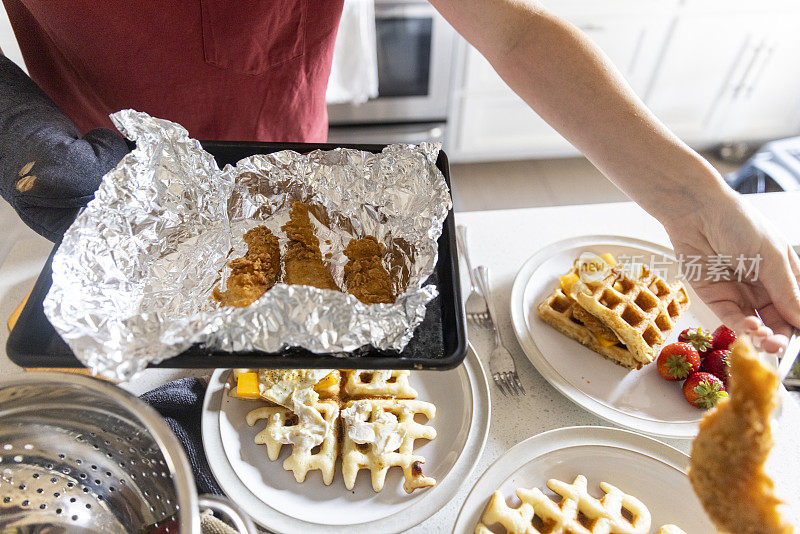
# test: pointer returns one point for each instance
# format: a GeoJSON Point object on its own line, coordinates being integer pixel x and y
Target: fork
{"type": "Point", "coordinates": [782, 363]}
{"type": "Point", "coordinates": [790, 355]}
{"type": "Point", "coordinates": [501, 363]}
{"type": "Point", "coordinates": [475, 307]}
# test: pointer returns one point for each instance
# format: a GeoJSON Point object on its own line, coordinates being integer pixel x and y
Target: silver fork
{"type": "Point", "coordinates": [790, 355]}
{"type": "Point", "coordinates": [783, 363]}
{"type": "Point", "coordinates": [501, 363]}
{"type": "Point", "coordinates": [475, 307]}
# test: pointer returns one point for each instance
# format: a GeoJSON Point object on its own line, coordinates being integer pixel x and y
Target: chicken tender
{"type": "Point", "coordinates": [366, 277]}
{"type": "Point", "coordinates": [255, 272]}
{"type": "Point", "coordinates": [726, 467]}
{"type": "Point", "coordinates": [303, 262]}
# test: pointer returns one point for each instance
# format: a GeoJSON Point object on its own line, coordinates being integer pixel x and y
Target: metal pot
{"type": "Point", "coordinates": [81, 455]}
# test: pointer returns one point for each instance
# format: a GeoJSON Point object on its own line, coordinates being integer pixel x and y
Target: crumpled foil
{"type": "Point", "coordinates": [133, 276]}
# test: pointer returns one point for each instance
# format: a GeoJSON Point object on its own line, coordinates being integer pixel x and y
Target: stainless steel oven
{"type": "Point", "coordinates": [415, 57]}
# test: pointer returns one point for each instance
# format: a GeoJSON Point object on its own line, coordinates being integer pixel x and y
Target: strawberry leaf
{"type": "Point", "coordinates": [699, 339]}
{"type": "Point", "coordinates": [678, 366]}
{"type": "Point", "coordinates": [708, 394]}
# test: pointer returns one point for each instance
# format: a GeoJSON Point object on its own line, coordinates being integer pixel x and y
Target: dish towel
{"type": "Point", "coordinates": [180, 403]}
{"type": "Point", "coordinates": [354, 71]}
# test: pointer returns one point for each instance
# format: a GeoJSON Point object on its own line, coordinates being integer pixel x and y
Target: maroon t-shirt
{"type": "Point", "coordinates": [226, 70]}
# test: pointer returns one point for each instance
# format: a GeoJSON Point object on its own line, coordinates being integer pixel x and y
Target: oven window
{"type": "Point", "coordinates": [404, 56]}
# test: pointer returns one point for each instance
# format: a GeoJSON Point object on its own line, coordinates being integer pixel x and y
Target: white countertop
{"type": "Point", "coordinates": [502, 240]}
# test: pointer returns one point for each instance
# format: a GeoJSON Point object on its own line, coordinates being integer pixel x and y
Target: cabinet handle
{"type": "Point", "coordinates": [591, 28]}
{"type": "Point", "coordinates": [758, 72]}
{"type": "Point", "coordinates": [740, 87]}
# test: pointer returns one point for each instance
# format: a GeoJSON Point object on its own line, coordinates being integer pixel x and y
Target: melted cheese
{"type": "Point", "coordinates": [381, 430]}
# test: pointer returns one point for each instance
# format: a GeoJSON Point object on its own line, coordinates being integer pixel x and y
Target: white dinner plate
{"type": "Point", "coordinates": [640, 400]}
{"type": "Point", "coordinates": [653, 472]}
{"type": "Point", "coordinates": [276, 501]}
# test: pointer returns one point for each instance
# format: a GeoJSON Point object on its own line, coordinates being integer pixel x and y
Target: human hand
{"type": "Point", "coordinates": [732, 228]}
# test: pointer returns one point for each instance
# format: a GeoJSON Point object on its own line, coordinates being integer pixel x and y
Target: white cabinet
{"type": "Point", "coordinates": [730, 77]}
{"type": "Point", "coordinates": [712, 70]}
{"type": "Point", "coordinates": [705, 54]}
{"type": "Point", "coordinates": [491, 122]}
{"type": "Point", "coordinates": [765, 102]}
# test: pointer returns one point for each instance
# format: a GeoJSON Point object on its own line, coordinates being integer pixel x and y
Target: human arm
{"type": "Point", "coordinates": [571, 84]}
{"type": "Point", "coordinates": [48, 170]}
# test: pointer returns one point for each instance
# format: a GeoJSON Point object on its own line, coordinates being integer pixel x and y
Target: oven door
{"type": "Point", "coordinates": [415, 51]}
{"type": "Point", "coordinates": [384, 134]}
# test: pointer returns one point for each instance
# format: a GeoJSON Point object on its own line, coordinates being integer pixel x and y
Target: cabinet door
{"type": "Point", "coordinates": [494, 123]}
{"type": "Point", "coordinates": [631, 42]}
{"type": "Point", "coordinates": [706, 56]}
{"type": "Point", "coordinates": [766, 104]}
{"type": "Point", "coordinates": [505, 128]}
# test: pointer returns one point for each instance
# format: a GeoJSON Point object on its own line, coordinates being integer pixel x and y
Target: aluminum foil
{"type": "Point", "coordinates": [133, 277]}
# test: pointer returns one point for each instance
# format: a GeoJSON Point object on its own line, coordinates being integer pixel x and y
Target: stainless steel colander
{"type": "Point", "coordinates": [81, 455]}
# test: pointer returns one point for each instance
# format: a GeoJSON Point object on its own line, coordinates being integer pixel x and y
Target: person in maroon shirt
{"type": "Point", "coordinates": [257, 70]}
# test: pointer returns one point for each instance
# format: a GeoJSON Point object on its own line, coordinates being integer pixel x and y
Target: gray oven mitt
{"type": "Point", "coordinates": [48, 171]}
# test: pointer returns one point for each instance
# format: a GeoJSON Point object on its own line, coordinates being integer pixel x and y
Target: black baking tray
{"type": "Point", "coordinates": [439, 342]}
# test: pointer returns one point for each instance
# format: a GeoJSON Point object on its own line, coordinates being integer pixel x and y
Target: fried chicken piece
{"type": "Point", "coordinates": [303, 261]}
{"type": "Point", "coordinates": [255, 272]}
{"type": "Point", "coordinates": [726, 468]}
{"type": "Point", "coordinates": [599, 330]}
{"type": "Point", "coordinates": [366, 277]}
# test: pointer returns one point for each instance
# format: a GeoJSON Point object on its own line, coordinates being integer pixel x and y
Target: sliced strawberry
{"type": "Point", "coordinates": [698, 338]}
{"type": "Point", "coordinates": [717, 364]}
{"type": "Point", "coordinates": [677, 361]}
{"type": "Point", "coordinates": [703, 390]}
{"type": "Point", "coordinates": [723, 337]}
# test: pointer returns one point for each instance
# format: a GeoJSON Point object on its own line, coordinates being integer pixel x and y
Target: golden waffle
{"type": "Point", "coordinates": [559, 311]}
{"type": "Point", "coordinates": [576, 513]}
{"type": "Point", "coordinates": [356, 456]}
{"type": "Point", "coordinates": [639, 312]}
{"type": "Point", "coordinates": [394, 384]}
{"type": "Point", "coordinates": [382, 391]}
{"type": "Point", "coordinates": [726, 467]}
{"type": "Point", "coordinates": [281, 420]}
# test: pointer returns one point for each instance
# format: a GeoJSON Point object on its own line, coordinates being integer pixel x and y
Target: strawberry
{"type": "Point", "coordinates": [703, 390]}
{"type": "Point", "coordinates": [723, 337]}
{"type": "Point", "coordinates": [698, 338]}
{"type": "Point", "coordinates": [717, 364]}
{"type": "Point", "coordinates": [677, 361]}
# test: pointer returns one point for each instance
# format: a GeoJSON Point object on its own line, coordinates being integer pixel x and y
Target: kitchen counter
{"type": "Point", "coordinates": [502, 240]}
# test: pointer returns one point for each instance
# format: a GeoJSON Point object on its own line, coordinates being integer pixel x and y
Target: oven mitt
{"type": "Point", "coordinates": [211, 525]}
{"type": "Point", "coordinates": [180, 403]}
{"type": "Point", "coordinates": [47, 170]}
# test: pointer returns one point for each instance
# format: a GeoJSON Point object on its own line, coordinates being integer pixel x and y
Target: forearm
{"type": "Point", "coordinates": [571, 84]}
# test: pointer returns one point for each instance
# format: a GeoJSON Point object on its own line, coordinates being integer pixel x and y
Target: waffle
{"type": "Point", "coordinates": [281, 421]}
{"type": "Point", "coordinates": [576, 513]}
{"type": "Point", "coordinates": [394, 384]}
{"type": "Point", "coordinates": [638, 312]}
{"type": "Point", "coordinates": [380, 393]}
{"type": "Point", "coordinates": [356, 456]}
{"type": "Point", "coordinates": [559, 311]}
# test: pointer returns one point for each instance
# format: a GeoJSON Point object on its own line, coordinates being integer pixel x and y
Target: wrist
{"type": "Point", "coordinates": [686, 190]}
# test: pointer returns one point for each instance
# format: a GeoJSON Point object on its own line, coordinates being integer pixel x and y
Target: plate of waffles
{"type": "Point", "coordinates": [585, 479]}
{"type": "Point", "coordinates": [334, 450]}
{"type": "Point", "coordinates": [592, 314]}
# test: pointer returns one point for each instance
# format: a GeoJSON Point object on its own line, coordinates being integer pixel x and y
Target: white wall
{"type": "Point", "coordinates": [7, 41]}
